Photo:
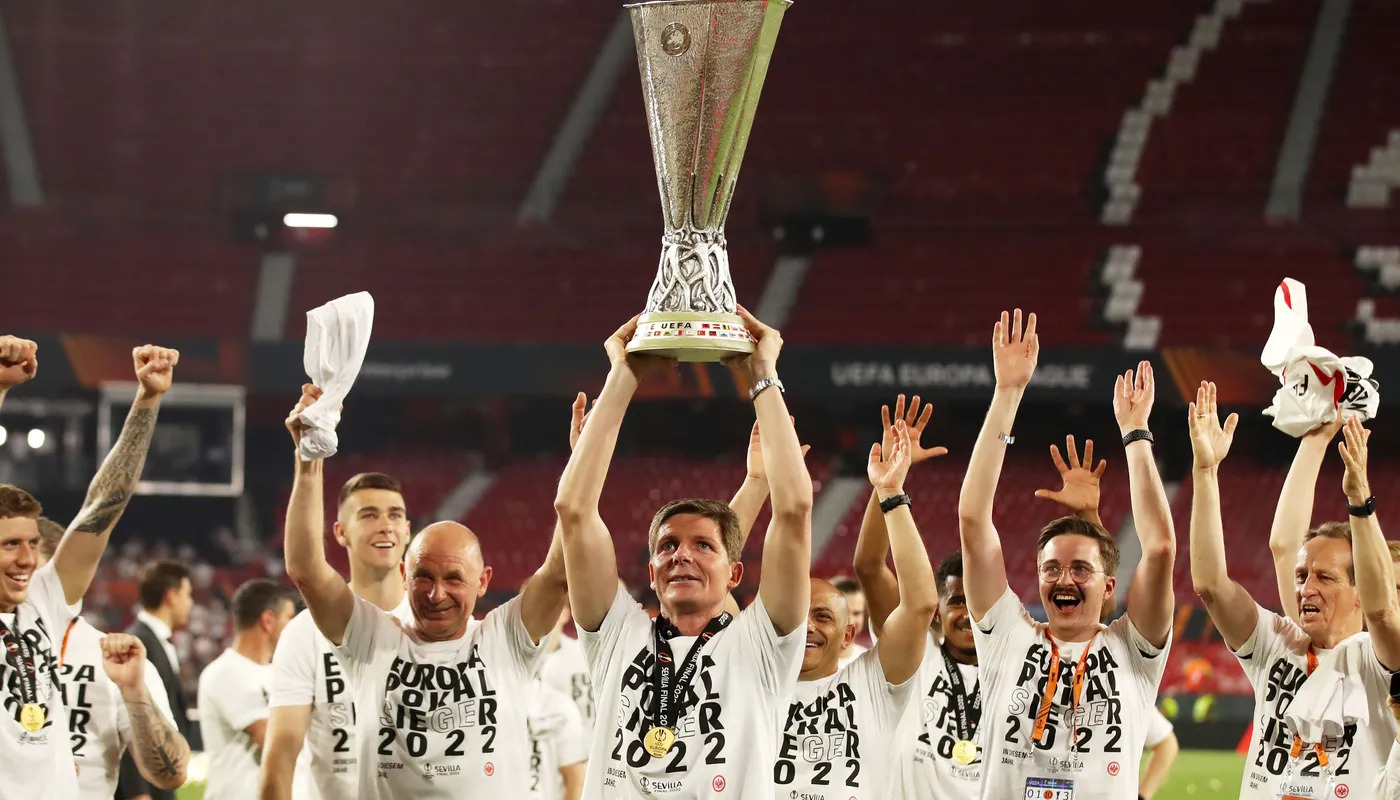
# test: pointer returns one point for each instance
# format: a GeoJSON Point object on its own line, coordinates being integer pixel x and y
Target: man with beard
{"type": "Point", "coordinates": [37, 603]}
{"type": "Point", "coordinates": [1343, 582]}
{"type": "Point", "coordinates": [449, 690]}
{"type": "Point", "coordinates": [688, 704]}
{"type": "Point", "coordinates": [1063, 701]}
{"type": "Point", "coordinates": [308, 698]}
{"type": "Point", "coordinates": [840, 720]}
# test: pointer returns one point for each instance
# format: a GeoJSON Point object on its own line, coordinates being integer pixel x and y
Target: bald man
{"type": "Point", "coordinates": [441, 696]}
{"type": "Point", "coordinates": [842, 719]}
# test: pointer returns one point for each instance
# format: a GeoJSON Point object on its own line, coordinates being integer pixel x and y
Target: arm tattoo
{"type": "Point", "coordinates": [156, 745]}
{"type": "Point", "coordinates": [115, 482]}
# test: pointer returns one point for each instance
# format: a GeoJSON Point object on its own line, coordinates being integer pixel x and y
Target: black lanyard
{"type": "Point", "coordinates": [20, 656]}
{"type": "Point", "coordinates": [669, 684]}
{"type": "Point", "coordinates": [968, 708]}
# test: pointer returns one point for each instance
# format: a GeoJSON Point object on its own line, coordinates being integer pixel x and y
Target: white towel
{"type": "Point", "coordinates": [1333, 697]}
{"type": "Point", "coordinates": [337, 336]}
{"type": "Point", "coordinates": [1316, 383]}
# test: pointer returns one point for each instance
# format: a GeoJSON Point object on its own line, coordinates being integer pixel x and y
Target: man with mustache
{"type": "Point", "coordinates": [688, 704]}
{"type": "Point", "coordinates": [839, 723]}
{"type": "Point", "coordinates": [1343, 582]}
{"type": "Point", "coordinates": [449, 690]}
{"type": "Point", "coordinates": [1063, 700]}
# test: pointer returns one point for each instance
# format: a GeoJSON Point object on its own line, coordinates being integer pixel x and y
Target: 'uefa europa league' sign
{"type": "Point", "coordinates": [702, 64]}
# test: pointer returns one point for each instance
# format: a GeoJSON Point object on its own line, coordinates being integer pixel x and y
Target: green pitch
{"type": "Point", "coordinates": [1203, 775]}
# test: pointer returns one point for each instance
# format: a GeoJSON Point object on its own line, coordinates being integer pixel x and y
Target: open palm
{"type": "Point", "coordinates": [1079, 491]}
{"type": "Point", "coordinates": [1210, 441]}
{"type": "Point", "coordinates": [916, 422]}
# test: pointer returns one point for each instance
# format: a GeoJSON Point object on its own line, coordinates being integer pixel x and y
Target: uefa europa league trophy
{"type": "Point", "coordinates": [702, 64]}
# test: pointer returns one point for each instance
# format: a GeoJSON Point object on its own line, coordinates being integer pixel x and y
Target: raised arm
{"type": "Point", "coordinates": [1231, 608]}
{"type": "Point", "coordinates": [901, 646]}
{"type": "Point", "coordinates": [589, 558]}
{"type": "Point", "coordinates": [112, 487]}
{"type": "Point", "coordinates": [161, 754]}
{"type": "Point", "coordinates": [787, 550]}
{"type": "Point", "coordinates": [19, 363]}
{"type": "Point", "coordinates": [1375, 579]}
{"type": "Point", "coordinates": [1295, 508]}
{"type": "Point", "coordinates": [984, 574]}
{"type": "Point", "coordinates": [1152, 598]}
{"type": "Point", "coordinates": [749, 499]}
{"type": "Point", "coordinates": [871, 563]}
{"type": "Point", "coordinates": [327, 595]}
{"type": "Point", "coordinates": [543, 597]}
{"type": "Point", "coordinates": [286, 733]}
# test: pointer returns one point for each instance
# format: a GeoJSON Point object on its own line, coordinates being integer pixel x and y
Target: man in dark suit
{"type": "Point", "coordinates": [166, 600]}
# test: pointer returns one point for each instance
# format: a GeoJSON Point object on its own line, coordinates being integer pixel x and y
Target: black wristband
{"type": "Point", "coordinates": [1365, 509]}
{"type": "Point", "coordinates": [1139, 435]}
{"type": "Point", "coordinates": [886, 506]}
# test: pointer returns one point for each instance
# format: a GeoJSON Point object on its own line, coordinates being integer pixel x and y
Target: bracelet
{"type": "Point", "coordinates": [1006, 438]}
{"type": "Point", "coordinates": [1366, 509]}
{"type": "Point", "coordinates": [1139, 435]}
{"type": "Point", "coordinates": [759, 386]}
{"type": "Point", "coordinates": [886, 506]}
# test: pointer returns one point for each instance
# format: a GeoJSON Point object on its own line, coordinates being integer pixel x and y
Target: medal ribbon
{"type": "Point", "coordinates": [1297, 748]}
{"type": "Point", "coordinates": [1052, 681]}
{"type": "Point", "coordinates": [969, 707]}
{"type": "Point", "coordinates": [20, 657]}
{"type": "Point", "coordinates": [668, 684]}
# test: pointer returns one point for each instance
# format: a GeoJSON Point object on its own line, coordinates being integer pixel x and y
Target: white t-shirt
{"type": "Point", "coordinates": [1158, 729]}
{"type": "Point", "coordinates": [929, 730]}
{"type": "Point", "coordinates": [557, 739]}
{"type": "Point", "coordinates": [566, 669]}
{"type": "Point", "coordinates": [727, 734]}
{"type": "Point", "coordinates": [851, 654]}
{"type": "Point", "coordinates": [1275, 659]}
{"type": "Point", "coordinates": [837, 733]}
{"type": "Point", "coordinates": [1121, 676]}
{"type": "Point", "coordinates": [98, 724]}
{"type": "Point", "coordinates": [232, 696]}
{"type": "Point", "coordinates": [306, 672]}
{"type": "Point", "coordinates": [38, 766]}
{"type": "Point", "coordinates": [441, 719]}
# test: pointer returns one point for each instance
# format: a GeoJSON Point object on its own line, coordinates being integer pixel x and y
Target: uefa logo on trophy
{"type": "Point", "coordinates": [702, 63]}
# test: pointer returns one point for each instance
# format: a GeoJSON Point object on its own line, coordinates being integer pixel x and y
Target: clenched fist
{"type": "Point", "coordinates": [155, 368]}
{"type": "Point", "coordinates": [310, 393]}
{"type": "Point", "coordinates": [124, 660]}
{"type": "Point", "coordinates": [19, 361]}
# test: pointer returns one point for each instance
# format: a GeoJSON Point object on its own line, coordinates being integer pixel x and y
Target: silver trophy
{"type": "Point", "coordinates": [702, 64]}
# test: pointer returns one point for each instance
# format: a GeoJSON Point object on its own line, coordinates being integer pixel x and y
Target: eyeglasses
{"type": "Point", "coordinates": [1079, 573]}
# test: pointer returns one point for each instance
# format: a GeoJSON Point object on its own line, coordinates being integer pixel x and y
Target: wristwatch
{"type": "Point", "coordinates": [886, 506]}
{"type": "Point", "coordinates": [759, 386]}
{"type": "Point", "coordinates": [1366, 509]}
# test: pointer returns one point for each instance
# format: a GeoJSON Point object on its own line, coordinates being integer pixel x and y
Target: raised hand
{"type": "Point", "coordinates": [310, 393]}
{"type": "Point", "coordinates": [1354, 450]}
{"type": "Point", "coordinates": [580, 418]}
{"type": "Point", "coordinates": [890, 464]}
{"type": "Point", "coordinates": [638, 365]}
{"type": "Point", "coordinates": [1210, 441]}
{"type": "Point", "coordinates": [1079, 491]}
{"type": "Point", "coordinates": [124, 660]}
{"type": "Point", "coordinates": [155, 367]}
{"type": "Point", "coordinates": [1133, 397]}
{"type": "Point", "coordinates": [1014, 353]}
{"type": "Point", "coordinates": [754, 459]}
{"type": "Point", "coordinates": [19, 361]}
{"type": "Point", "coordinates": [916, 423]}
{"type": "Point", "coordinates": [763, 361]}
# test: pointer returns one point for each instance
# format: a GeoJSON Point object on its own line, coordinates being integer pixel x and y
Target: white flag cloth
{"type": "Point", "coordinates": [337, 336]}
{"type": "Point", "coordinates": [1316, 383]}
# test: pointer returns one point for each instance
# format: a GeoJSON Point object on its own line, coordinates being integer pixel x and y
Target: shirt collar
{"type": "Point", "coordinates": [156, 624]}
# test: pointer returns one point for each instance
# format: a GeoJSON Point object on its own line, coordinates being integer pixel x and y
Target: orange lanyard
{"type": "Point", "coordinates": [1052, 681]}
{"type": "Point", "coordinates": [1297, 742]}
{"type": "Point", "coordinates": [63, 651]}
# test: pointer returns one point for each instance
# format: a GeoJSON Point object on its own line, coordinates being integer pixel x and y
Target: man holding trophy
{"type": "Point", "coordinates": [688, 704]}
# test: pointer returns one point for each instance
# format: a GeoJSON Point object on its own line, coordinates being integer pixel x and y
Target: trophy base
{"type": "Point", "coordinates": [689, 336]}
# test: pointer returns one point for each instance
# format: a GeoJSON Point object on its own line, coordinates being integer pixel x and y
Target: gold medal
{"type": "Point", "coordinates": [31, 716]}
{"type": "Point", "coordinates": [659, 740]}
{"type": "Point", "coordinates": [964, 752]}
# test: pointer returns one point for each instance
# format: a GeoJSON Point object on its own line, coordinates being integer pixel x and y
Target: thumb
{"type": "Point", "coordinates": [938, 451]}
{"type": "Point", "coordinates": [1046, 494]}
{"type": "Point", "coordinates": [807, 447]}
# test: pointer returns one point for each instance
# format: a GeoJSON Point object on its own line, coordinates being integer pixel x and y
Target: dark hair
{"type": "Point", "coordinates": [950, 567]}
{"type": "Point", "coordinates": [368, 480]}
{"type": "Point", "coordinates": [16, 502]}
{"type": "Point", "coordinates": [157, 578]}
{"type": "Point", "coordinates": [50, 534]}
{"type": "Point", "coordinates": [1338, 530]}
{"type": "Point", "coordinates": [1074, 526]}
{"type": "Point", "coordinates": [253, 598]}
{"type": "Point", "coordinates": [847, 585]}
{"type": "Point", "coordinates": [716, 510]}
